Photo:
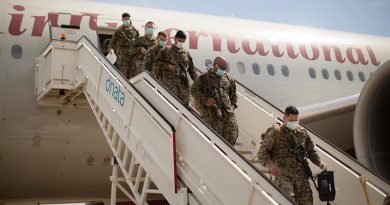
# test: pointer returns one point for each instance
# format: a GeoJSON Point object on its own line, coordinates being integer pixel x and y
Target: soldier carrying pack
{"type": "Point", "coordinates": [325, 180]}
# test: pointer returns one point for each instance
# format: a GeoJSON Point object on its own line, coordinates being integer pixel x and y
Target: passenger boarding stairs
{"type": "Point", "coordinates": [162, 147]}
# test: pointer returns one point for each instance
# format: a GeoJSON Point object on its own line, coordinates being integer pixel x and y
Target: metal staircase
{"type": "Point", "coordinates": [158, 143]}
{"type": "Point", "coordinates": [254, 116]}
{"type": "Point", "coordinates": [143, 138]}
{"type": "Point", "coordinates": [65, 70]}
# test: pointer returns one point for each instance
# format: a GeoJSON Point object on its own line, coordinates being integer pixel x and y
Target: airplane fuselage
{"type": "Point", "coordinates": [40, 145]}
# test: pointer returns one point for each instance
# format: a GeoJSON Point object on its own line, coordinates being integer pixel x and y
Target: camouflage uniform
{"type": "Point", "coordinates": [225, 87]}
{"type": "Point", "coordinates": [136, 55]}
{"type": "Point", "coordinates": [121, 42]}
{"type": "Point", "coordinates": [176, 81]}
{"type": "Point", "coordinates": [150, 57]}
{"type": "Point", "coordinates": [292, 179]}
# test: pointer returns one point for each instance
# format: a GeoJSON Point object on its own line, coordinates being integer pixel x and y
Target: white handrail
{"type": "Point", "coordinates": [136, 132]}
{"type": "Point", "coordinates": [347, 170]}
{"type": "Point", "coordinates": [206, 161]}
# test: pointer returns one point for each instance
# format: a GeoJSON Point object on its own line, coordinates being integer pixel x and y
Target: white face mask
{"type": "Point", "coordinates": [292, 125]}
{"type": "Point", "coordinates": [179, 44]}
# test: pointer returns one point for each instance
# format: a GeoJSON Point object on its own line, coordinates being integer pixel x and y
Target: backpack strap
{"type": "Point", "coordinates": [277, 131]}
{"type": "Point", "coordinates": [228, 77]}
{"type": "Point", "coordinates": [301, 129]}
{"type": "Point", "coordinates": [277, 134]}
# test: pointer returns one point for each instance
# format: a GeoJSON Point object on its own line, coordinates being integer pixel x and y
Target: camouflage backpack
{"type": "Point", "coordinates": [197, 104]}
{"type": "Point", "coordinates": [276, 127]}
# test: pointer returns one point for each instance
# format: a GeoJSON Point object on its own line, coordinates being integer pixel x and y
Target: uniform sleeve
{"type": "Point", "coordinates": [233, 93]}
{"type": "Point", "coordinates": [136, 48]}
{"type": "Point", "coordinates": [197, 90]}
{"type": "Point", "coordinates": [191, 68]}
{"type": "Point", "coordinates": [266, 147]}
{"type": "Point", "coordinates": [147, 61]}
{"type": "Point", "coordinates": [160, 62]}
{"type": "Point", "coordinates": [112, 44]}
{"type": "Point", "coordinates": [309, 145]}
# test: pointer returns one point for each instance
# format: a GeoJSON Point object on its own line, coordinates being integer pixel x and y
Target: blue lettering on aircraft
{"type": "Point", "coordinates": [115, 91]}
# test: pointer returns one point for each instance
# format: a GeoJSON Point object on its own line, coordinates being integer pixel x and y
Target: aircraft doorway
{"type": "Point", "coordinates": [104, 34]}
{"type": "Point", "coordinates": [106, 30]}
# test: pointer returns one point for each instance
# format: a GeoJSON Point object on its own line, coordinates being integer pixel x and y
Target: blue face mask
{"type": "Point", "coordinates": [149, 31]}
{"type": "Point", "coordinates": [126, 22]}
{"type": "Point", "coordinates": [220, 72]}
{"type": "Point", "coordinates": [162, 43]}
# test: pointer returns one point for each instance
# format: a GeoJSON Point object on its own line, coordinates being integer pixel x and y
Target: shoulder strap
{"type": "Point", "coordinates": [303, 130]}
{"type": "Point", "coordinates": [228, 77]}
{"type": "Point", "coordinates": [127, 38]}
{"type": "Point", "coordinates": [277, 131]}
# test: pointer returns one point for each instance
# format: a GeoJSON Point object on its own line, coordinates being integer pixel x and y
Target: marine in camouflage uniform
{"type": "Point", "coordinates": [221, 92]}
{"type": "Point", "coordinates": [291, 176]}
{"type": "Point", "coordinates": [121, 42]}
{"type": "Point", "coordinates": [152, 53]}
{"type": "Point", "coordinates": [139, 48]}
{"type": "Point", "coordinates": [173, 64]}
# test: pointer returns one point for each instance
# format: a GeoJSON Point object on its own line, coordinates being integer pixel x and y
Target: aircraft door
{"type": "Point", "coordinates": [106, 27]}
{"type": "Point", "coordinates": [72, 27]}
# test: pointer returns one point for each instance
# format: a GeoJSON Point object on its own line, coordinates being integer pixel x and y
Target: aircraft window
{"type": "Point", "coordinates": [285, 71]}
{"type": "Point", "coordinates": [271, 69]}
{"type": "Point", "coordinates": [362, 76]}
{"type": "Point", "coordinates": [208, 63]}
{"type": "Point", "coordinates": [350, 75]}
{"type": "Point", "coordinates": [325, 73]}
{"type": "Point", "coordinates": [241, 67]}
{"type": "Point", "coordinates": [256, 68]}
{"type": "Point", "coordinates": [337, 74]}
{"type": "Point", "coordinates": [312, 73]}
{"type": "Point", "coordinates": [16, 51]}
